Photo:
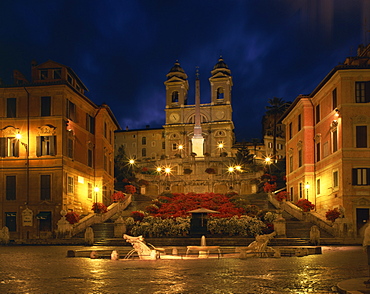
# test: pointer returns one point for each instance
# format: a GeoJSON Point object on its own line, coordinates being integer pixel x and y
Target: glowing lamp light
{"type": "Point", "coordinates": [159, 169]}
{"type": "Point", "coordinates": [220, 145]}
{"type": "Point", "coordinates": [131, 161]}
{"type": "Point", "coordinates": [180, 147]}
{"type": "Point", "coordinates": [230, 169]}
{"type": "Point", "coordinates": [307, 186]}
{"type": "Point", "coordinates": [18, 136]}
{"type": "Point", "coordinates": [268, 160]}
{"type": "Point", "coordinates": [238, 168]}
{"type": "Point", "coordinates": [96, 189]}
{"type": "Point", "coordinates": [167, 170]}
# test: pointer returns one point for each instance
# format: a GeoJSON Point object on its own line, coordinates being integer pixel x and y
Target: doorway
{"type": "Point", "coordinates": [362, 217]}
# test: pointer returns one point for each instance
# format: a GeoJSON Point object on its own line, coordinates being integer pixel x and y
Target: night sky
{"type": "Point", "coordinates": [122, 50]}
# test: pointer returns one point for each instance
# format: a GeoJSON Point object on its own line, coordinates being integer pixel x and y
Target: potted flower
{"type": "Point", "coordinates": [118, 196]}
{"type": "Point", "coordinates": [72, 217]}
{"type": "Point", "coordinates": [130, 189]}
{"type": "Point", "coordinates": [281, 196]}
{"type": "Point", "coordinates": [332, 214]}
{"type": "Point", "coordinates": [99, 208]}
{"type": "Point", "coordinates": [305, 205]}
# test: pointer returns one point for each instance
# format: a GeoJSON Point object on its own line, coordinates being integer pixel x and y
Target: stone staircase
{"type": "Point", "coordinates": [297, 231]}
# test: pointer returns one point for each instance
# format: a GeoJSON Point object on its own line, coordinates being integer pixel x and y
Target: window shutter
{"type": "Point", "coordinates": [52, 145]}
{"type": "Point", "coordinates": [16, 149]}
{"type": "Point", "coordinates": [367, 92]}
{"type": "Point", "coordinates": [2, 147]}
{"type": "Point", "coordinates": [368, 176]}
{"type": "Point", "coordinates": [38, 146]}
{"type": "Point", "coordinates": [354, 176]}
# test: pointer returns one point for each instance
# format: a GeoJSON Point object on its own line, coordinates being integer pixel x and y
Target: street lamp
{"type": "Point", "coordinates": [220, 146]}
{"type": "Point", "coordinates": [307, 187]}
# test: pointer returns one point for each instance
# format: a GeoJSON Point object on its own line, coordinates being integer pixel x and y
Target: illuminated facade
{"type": "Point", "coordinates": [328, 143]}
{"type": "Point", "coordinates": [56, 150]}
{"type": "Point", "coordinates": [197, 142]}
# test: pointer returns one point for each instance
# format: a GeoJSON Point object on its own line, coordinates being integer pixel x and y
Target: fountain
{"type": "Point", "coordinates": [141, 248]}
{"type": "Point", "coordinates": [203, 249]}
{"type": "Point", "coordinates": [259, 247]}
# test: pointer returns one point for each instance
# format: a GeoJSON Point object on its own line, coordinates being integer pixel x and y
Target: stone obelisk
{"type": "Point", "coordinates": [197, 140]}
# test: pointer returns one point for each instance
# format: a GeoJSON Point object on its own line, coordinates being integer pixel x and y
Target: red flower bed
{"type": "Point", "coordinates": [267, 187]}
{"type": "Point", "coordinates": [179, 204]}
{"type": "Point", "coordinates": [332, 214]}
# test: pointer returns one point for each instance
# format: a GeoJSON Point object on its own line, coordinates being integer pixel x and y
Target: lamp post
{"type": "Point", "coordinates": [268, 162]}
{"type": "Point", "coordinates": [96, 190]}
{"type": "Point", "coordinates": [220, 146]}
{"type": "Point", "coordinates": [307, 187]}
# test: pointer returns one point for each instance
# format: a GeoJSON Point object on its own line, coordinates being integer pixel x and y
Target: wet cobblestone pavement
{"type": "Point", "coordinates": [46, 269]}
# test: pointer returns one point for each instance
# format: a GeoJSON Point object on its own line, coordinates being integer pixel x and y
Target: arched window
{"type": "Point", "coordinates": [220, 93]}
{"type": "Point", "coordinates": [175, 96]}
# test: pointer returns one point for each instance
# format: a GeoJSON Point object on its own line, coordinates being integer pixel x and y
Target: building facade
{"type": "Point", "coordinates": [201, 168]}
{"type": "Point", "coordinates": [56, 150]}
{"type": "Point", "coordinates": [328, 143]}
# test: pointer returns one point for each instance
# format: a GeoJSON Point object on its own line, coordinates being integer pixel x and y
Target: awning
{"type": "Point", "coordinates": [43, 215]}
{"type": "Point", "coordinates": [203, 210]}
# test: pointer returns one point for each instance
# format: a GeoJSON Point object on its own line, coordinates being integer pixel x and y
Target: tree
{"type": "Point", "coordinates": [122, 169]}
{"type": "Point", "coordinates": [243, 157]}
{"type": "Point", "coordinates": [275, 110]}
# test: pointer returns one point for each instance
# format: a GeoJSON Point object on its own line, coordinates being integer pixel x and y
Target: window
{"type": "Point", "coordinates": [362, 92]}
{"type": "Point", "coordinates": [11, 107]}
{"type": "Point", "coordinates": [90, 157]}
{"type": "Point", "coordinates": [280, 146]}
{"type": "Point", "coordinates": [175, 96]}
{"type": "Point", "coordinates": [299, 157]}
{"type": "Point", "coordinates": [143, 141]}
{"type": "Point", "coordinates": [299, 122]}
{"type": "Point", "coordinates": [9, 147]}
{"type": "Point", "coordinates": [70, 185]}
{"type": "Point", "coordinates": [174, 146]}
{"type": "Point", "coordinates": [325, 149]}
{"type": "Point", "coordinates": [334, 98]}
{"type": "Point", "coordinates": [69, 79]}
{"type": "Point", "coordinates": [46, 106]}
{"type": "Point", "coordinates": [105, 162]}
{"type": "Point", "coordinates": [360, 176]}
{"type": "Point", "coordinates": [45, 187]}
{"type": "Point", "coordinates": [44, 74]}
{"type": "Point", "coordinates": [45, 145]}
{"type": "Point", "coordinates": [300, 190]}
{"type": "Point", "coordinates": [335, 141]}
{"type": "Point", "coordinates": [143, 152]}
{"type": "Point", "coordinates": [70, 148]}
{"type": "Point", "coordinates": [290, 130]}
{"type": "Point", "coordinates": [318, 152]}
{"type": "Point", "coordinates": [335, 179]}
{"type": "Point", "coordinates": [90, 123]}
{"type": "Point", "coordinates": [10, 188]}
{"type": "Point", "coordinates": [317, 113]}
{"type": "Point", "coordinates": [105, 129]}
{"type": "Point", "coordinates": [89, 191]}
{"type": "Point", "coordinates": [291, 193]}
{"type": "Point", "coordinates": [57, 74]}
{"type": "Point", "coordinates": [291, 163]}
{"type": "Point", "coordinates": [269, 145]}
{"type": "Point", "coordinates": [220, 93]}
{"type": "Point", "coordinates": [163, 145]}
{"type": "Point", "coordinates": [361, 136]}
{"type": "Point", "coordinates": [318, 187]}
{"type": "Point", "coordinates": [71, 110]}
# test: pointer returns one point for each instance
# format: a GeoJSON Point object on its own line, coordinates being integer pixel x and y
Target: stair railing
{"type": "Point", "coordinates": [96, 218]}
{"type": "Point", "coordinates": [298, 213]}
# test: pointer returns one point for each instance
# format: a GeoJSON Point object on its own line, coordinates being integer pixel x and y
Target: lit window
{"type": "Point", "coordinates": [70, 185]}
{"type": "Point", "coordinates": [45, 145]}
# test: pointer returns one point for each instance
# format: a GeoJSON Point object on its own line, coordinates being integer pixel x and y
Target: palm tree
{"type": "Point", "coordinates": [276, 108]}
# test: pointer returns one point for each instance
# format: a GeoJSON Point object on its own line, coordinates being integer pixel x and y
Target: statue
{"type": "Point", "coordinates": [141, 248]}
{"type": "Point", "coordinates": [259, 246]}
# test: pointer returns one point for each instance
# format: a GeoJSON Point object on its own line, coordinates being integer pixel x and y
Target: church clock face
{"type": "Point", "coordinates": [174, 117]}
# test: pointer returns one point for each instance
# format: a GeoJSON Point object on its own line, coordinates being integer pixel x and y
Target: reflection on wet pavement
{"type": "Point", "coordinates": [46, 269]}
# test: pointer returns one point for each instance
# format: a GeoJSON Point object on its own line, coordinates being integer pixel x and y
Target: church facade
{"type": "Point", "coordinates": [196, 142]}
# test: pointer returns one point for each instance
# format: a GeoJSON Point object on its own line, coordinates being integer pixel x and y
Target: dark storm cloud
{"type": "Point", "coordinates": [122, 50]}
